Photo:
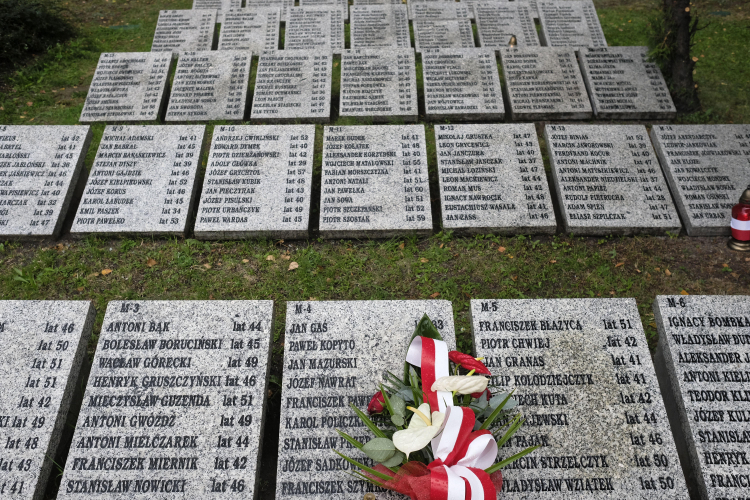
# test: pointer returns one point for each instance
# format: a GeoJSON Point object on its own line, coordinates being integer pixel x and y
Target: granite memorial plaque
{"type": "Point", "coordinates": [293, 85]}
{"type": "Point", "coordinates": [568, 23]}
{"type": "Point", "coordinates": [379, 83]}
{"type": "Point", "coordinates": [608, 180]}
{"type": "Point", "coordinates": [442, 34]}
{"type": "Point", "coordinates": [127, 86]}
{"type": "Point", "coordinates": [284, 5]}
{"type": "Point", "coordinates": [544, 83]}
{"type": "Point", "coordinates": [439, 10]}
{"type": "Point", "coordinates": [220, 6]}
{"type": "Point", "coordinates": [43, 345]}
{"type": "Point", "coordinates": [379, 27]}
{"type": "Point", "coordinates": [210, 85]}
{"type": "Point", "coordinates": [315, 28]}
{"type": "Point", "coordinates": [252, 172]}
{"type": "Point", "coordinates": [585, 383]}
{"type": "Point", "coordinates": [39, 170]}
{"type": "Point", "coordinates": [492, 179]}
{"type": "Point", "coordinates": [499, 24]}
{"type": "Point", "coordinates": [184, 30]}
{"type": "Point", "coordinates": [708, 168]}
{"type": "Point", "coordinates": [342, 4]}
{"type": "Point", "coordinates": [622, 83]}
{"type": "Point", "coordinates": [335, 354]}
{"type": "Point", "coordinates": [174, 404]}
{"type": "Point", "coordinates": [702, 362]}
{"type": "Point", "coordinates": [142, 181]}
{"type": "Point", "coordinates": [377, 2]}
{"type": "Point", "coordinates": [462, 84]}
{"type": "Point", "coordinates": [254, 29]}
{"type": "Point", "coordinates": [374, 182]}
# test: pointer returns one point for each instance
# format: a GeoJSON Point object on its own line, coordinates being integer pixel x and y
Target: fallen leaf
{"type": "Point", "coordinates": [93, 275]}
{"type": "Point", "coordinates": [619, 264]}
{"type": "Point", "coordinates": [637, 270]}
{"type": "Point", "coordinates": [648, 275]}
{"type": "Point", "coordinates": [207, 266]}
{"type": "Point", "coordinates": [684, 292]}
{"type": "Point", "coordinates": [747, 259]}
{"type": "Point", "coordinates": [735, 275]}
{"type": "Point", "coordinates": [553, 262]}
{"type": "Point", "coordinates": [313, 298]}
{"type": "Point", "coordinates": [687, 9]}
{"type": "Point", "coordinates": [510, 256]}
{"type": "Point", "coordinates": [611, 292]}
{"type": "Point", "coordinates": [652, 324]}
{"type": "Point", "coordinates": [501, 249]}
{"type": "Point", "coordinates": [270, 257]}
{"type": "Point", "coordinates": [423, 260]}
{"type": "Point", "coordinates": [436, 294]}
{"type": "Point", "coordinates": [328, 280]}
{"type": "Point", "coordinates": [245, 261]}
{"type": "Point", "coordinates": [293, 266]}
{"type": "Point", "coordinates": [286, 257]}
{"type": "Point", "coordinates": [666, 271]}
{"type": "Point", "coordinates": [695, 59]}
{"type": "Point", "coordinates": [29, 103]}
{"type": "Point", "coordinates": [442, 245]}
{"type": "Point", "coordinates": [150, 262]}
{"type": "Point", "coordinates": [725, 265]}
{"type": "Point", "coordinates": [106, 272]}
{"type": "Point", "coordinates": [401, 246]}
{"type": "Point", "coordinates": [657, 269]}
{"type": "Point", "coordinates": [514, 278]}
{"type": "Point", "coordinates": [80, 288]}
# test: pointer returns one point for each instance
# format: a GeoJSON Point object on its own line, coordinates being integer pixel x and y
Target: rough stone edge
{"type": "Point", "coordinates": [62, 412]}
{"type": "Point", "coordinates": [334, 234]}
{"type": "Point", "coordinates": [502, 230]}
{"type": "Point", "coordinates": [674, 405]}
{"type": "Point", "coordinates": [292, 234]}
{"type": "Point", "coordinates": [259, 454]}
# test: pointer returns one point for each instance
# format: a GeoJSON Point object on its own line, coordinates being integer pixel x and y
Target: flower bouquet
{"type": "Point", "coordinates": [440, 426]}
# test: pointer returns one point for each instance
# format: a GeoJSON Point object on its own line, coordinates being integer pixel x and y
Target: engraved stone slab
{"type": "Point", "coordinates": [379, 83]}
{"type": "Point", "coordinates": [284, 5]}
{"type": "Point", "coordinates": [342, 4]}
{"type": "Point", "coordinates": [221, 7]}
{"type": "Point", "coordinates": [462, 84]}
{"type": "Point", "coordinates": [498, 23]}
{"type": "Point", "coordinates": [184, 30]}
{"type": "Point", "coordinates": [374, 182]}
{"type": "Point", "coordinates": [622, 83]}
{"type": "Point", "coordinates": [254, 29]}
{"type": "Point", "coordinates": [568, 23]}
{"type": "Point", "coordinates": [442, 34]}
{"type": "Point", "coordinates": [585, 383]}
{"type": "Point", "coordinates": [293, 85]}
{"type": "Point", "coordinates": [379, 26]}
{"type": "Point", "coordinates": [315, 28]}
{"type": "Point", "coordinates": [142, 181]}
{"type": "Point", "coordinates": [210, 85]}
{"type": "Point", "coordinates": [127, 86]}
{"type": "Point", "coordinates": [39, 170]}
{"type": "Point", "coordinates": [439, 10]}
{"type": "Point", "coordinates": [377, 2]}
{"type": "Point", "coordinates": [708, 168]}
{"type": "Point", "coordinates": [336, 353]}
{"type": "Point", "coordinates": [608, 180]}
{"type": "Point", "coordinates": [43, 345]}
{"type": "Point", "coordinates": [175, 402]}
{"type": "Point", "coordinates": [258, 183]}
{"type": "Point", "coordinates": [702, 363]}
{"type": "Point", "coordinates": [492, 179]}
{"type": "Point", "coordinates": [544, 83]}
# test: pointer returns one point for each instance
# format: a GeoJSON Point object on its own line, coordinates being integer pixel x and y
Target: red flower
{"type": "Point", "coordinates": [468, 362]}
{"type": "Point", "coordinates": [477, 395]}
{"type": "Point", "coordinates": [377, 403]}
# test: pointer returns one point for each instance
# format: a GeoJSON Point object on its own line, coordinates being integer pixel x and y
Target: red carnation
{"type": "Point", "coordinates": [377, 403]}
{"type": "Point", "coordinates": [468, 362]}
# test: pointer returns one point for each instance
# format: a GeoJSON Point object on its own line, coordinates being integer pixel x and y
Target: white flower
{"type": "Point", "coordinates": [461, 384]}
{"type": "Point", "coordinates": [421, 430]}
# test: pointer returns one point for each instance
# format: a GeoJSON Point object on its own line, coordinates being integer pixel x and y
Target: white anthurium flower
{"type": "Point", "coordinates": [461, 384]}
{"type": "Point", "coordinates": [422, 429]}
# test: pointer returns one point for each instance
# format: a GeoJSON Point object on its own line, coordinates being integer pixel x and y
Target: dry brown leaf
{"type": "Point", "coordinates": [619, 264]}
{"type": "Point", "coordinates": [666, 271]}
{"type": "Point", "coordinates": [29, 103]}
{"type": "Point", "coordinates": [514, 278]}
{"type": "Point", "coordinates": [637, 270]}
{"type": "Point", "coordinates": [207, 266]}
{"type": "Point", "coordinates": [648, 275]}
{"type": "Point", "coordinates": [245, 261]}
{"type": "Point", "coordinates": [510, 256]}
{"type": "Point", "coordinates": [652, 324]}
{"type": "Point", "coordinates": [401, 246]}
{"type": "Point", "coordinates": [328, 280]}
{"type": "Point", "coordinates": [150, 262]}
{"type": "Point", "coordinates": [735, 275]}
{"type": "Point", "coordinates": [286, 257]}
{"type": "Point", "coordinates": [501, 249]}
{"type": "Point", "coordinates": [684, 292]}
{"type": "Point", "coordinates": [553, 262]}
{"type": "Point", "coordinates": [80, 288]}
{"type": "Point", "coordinates": [270, 257]}
{"type": "Point", "coordinates": [725, 265]}
{"type": "Point", "coordinates": [106, 272]}
{"type": "Point", "coordinates": [687, 9]}
{"type": "Point", "coordinates": [424, 261]}
{"type": "Point", "coordinates": [313, 298]}
{"type": "Point", "coordinates": [442, 245]}
{"type": "Point", "coordinates": [293, 266]}
{"type": "Point", "coordinates": [657, 269]}
{"type": "Point", "coordinates": [434, 295]}
{"type": "Point", "coordinates": [695, 59]}
{"type": "Point", "coordinates": [92, 275]}
{"type": "Point", "coordinates": [747, 259]}
{"type": "Point", "coordinates": [611, 292]}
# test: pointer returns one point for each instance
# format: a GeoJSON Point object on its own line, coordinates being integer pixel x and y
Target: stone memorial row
{"type": "Point", "coordinates": [254, 30]}
{"type": "Point", "coordinates": [439, 10]}
{"type": "Point", "coordinates": [210, 86]}
{"type": "Point", "coordinates": [379, 27]}
{"type": "Point", "coordinates": [442, 34]}
{"type": "Point", "coordinates": [220, 6]}
{"type": "Point", "coordinates": [184, 30]}
{"type": "Point", "coordinates": [43, 346]}
{"type": "Point", "coordinates": [341, 4]}
{"type": "Point", "coordinates": [499, 24]}
{"type": "Point", "coordinates": [374, 182]}
{"type": "Point", "coordinates": [127, 87]}
{"type": "Point", "coordinates": [175, 402]}
{"type": "Point", "coordinates": [708, 168]}
{"type": "Point", "coordinates": [315, 28]}
{"type": "Point", "coordinates": [335, 354]}
{"type": "Point", "coordinates": [379, 83]}
{"type": "Point", "coordinates": [492, 179]}
{"type": "Point", "coordinates": [258, 183]}
{"type": "Point", "coordinates": [568, 23]}
{"type": "Point", "coordinates": [584, 380]}
{"type": "Point", "coordinates": [39, 170]}
{"type": "Point", "coordinates": [284, 5]}
{"type": "Point", "coordinates": [702, 360]}
{"type": "Point", "coordinates": [142, 181]}
{"type": "Point", "coordinates": [608, 180]}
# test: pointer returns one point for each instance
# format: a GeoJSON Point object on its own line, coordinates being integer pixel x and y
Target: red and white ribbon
{"type": "Point", "coordinates": [740, 229]}
{"type": "Point", "coordinates": [432, 357]}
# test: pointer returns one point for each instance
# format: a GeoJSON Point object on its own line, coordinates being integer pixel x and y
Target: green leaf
{"type": "Point", "coordinates": [386, 400]}
{"type": "Point", "coordinates": [398, 406]}
{"type": "Point", "coordinates": [398, 420]}
{"type": "Point", "coordinates": [369, 423]}
{"type": "Point", "coordinates": [365, 468]}
{"type": "Point", "coordinates": [379, 449]}
{"type": "Point", "coordinates": [513, 427]}
{"type": "Point", "coordinates": [510, 460]}
{"type": "Point", "coordinates": [416, 391]}
{"type": "Point", "coordinates": [351, 440]}
{"type": "Point", "coordinates": [425, 328]}
{"type": "Point", "coordinates": [495, 413]}
{"type": "Point", "coordinates": [395, 460]}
